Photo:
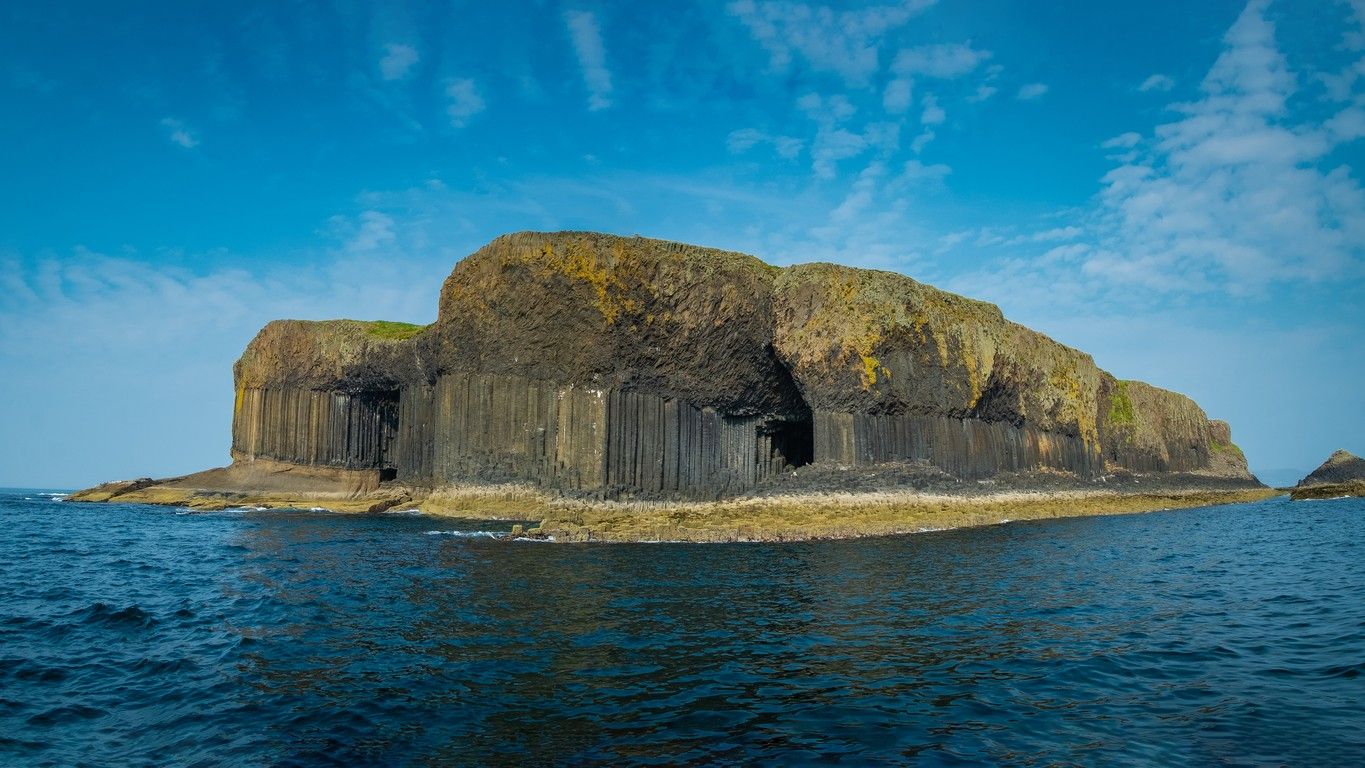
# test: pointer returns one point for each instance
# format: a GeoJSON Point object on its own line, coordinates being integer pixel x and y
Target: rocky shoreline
{"type": "Point", "coordinates": [1329, 491]}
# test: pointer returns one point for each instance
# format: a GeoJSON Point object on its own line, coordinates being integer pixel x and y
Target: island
{"type": "Point", "coordinates": [1343, 474]}
{"type": "Point", "coordinates": [625, 388]}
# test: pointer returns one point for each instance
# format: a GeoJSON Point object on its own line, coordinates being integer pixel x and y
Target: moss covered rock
{"type": "Point", "coordinates": [330, 355]}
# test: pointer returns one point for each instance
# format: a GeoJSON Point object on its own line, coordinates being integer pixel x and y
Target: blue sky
{"type": "Point", "coordinates": [1173, 187]}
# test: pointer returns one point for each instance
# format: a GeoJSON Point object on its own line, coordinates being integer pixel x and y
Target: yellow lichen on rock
{"type": "Point", "coordinates": [610, 279]}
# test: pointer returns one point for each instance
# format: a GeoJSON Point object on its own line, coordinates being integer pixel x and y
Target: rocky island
{"type": "Point", "coordinates": [626, 388]}
{"type": "Point", "coordinates": [1343, 474]}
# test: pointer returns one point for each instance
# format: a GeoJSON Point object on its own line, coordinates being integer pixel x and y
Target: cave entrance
{"type": "Point", "coordinates": [792, 439]}
{"type": "Point", "coordinates": [793, 442]}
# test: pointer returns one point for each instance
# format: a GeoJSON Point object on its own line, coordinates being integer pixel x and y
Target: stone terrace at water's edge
{"type": "Point", "coordinates": [627, 367]}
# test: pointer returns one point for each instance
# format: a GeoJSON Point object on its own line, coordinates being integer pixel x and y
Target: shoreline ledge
{"type": "Point", "coordinates": [780, 517]}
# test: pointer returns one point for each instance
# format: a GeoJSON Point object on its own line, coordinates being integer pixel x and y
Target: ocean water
{"type": "Point", "coordinates": [136, 635]}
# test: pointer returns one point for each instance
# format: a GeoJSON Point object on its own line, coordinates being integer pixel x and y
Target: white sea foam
{"type": "Point", "coordinates": [55, 495]}
{"type": "Point", "coordinates": [469, 534]}
{"type": "Point", "coordinates": [401, 512]}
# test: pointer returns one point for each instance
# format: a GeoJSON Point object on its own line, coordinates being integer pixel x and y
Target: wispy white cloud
{"type": "Point", "coordinates": [179, 133]}
{"type": "Point", "coordinates": [1341, 85]}
{"type": "Point", "coordinates": [836, 141]}
{"type": "Point", "coordinates": [933, 114]}
{"type": "Point", "coordinates": [915, 171]}
{"type": "Point", "coordinates": [1126, 140]}
{"type": "Point", "coordinates": [1234, 195]}
{"type": "Point", "coordinates": [826, 109]}
{"type": "Point", "coordinates": [397, 61]}
{"type": "Point", "coordinates": [592, 57]}
{"type": "Point", "coordinates": [922, 140]}
{"type": "Point", "coordinates": [1237, 194]}
{"type": "Point", "coordinates": [844, 42]}
{"type": "Point", "coordinates": [741, 141]}
{"type": "Point", "coordinates": [944, 61]}
{"type": "Point", "coordinates": [833, 144]}
{"type": "Point", "coordinates": [465, 101]}
{"type": "Point", "coordinates": [1057, 233]}
{"type": "Point", "coordinates": [1032, 91]}
{"type": "Point", "coordinates": [987, 87]}
{"type": "Point", "coordinates": [365, 233]}
{"type": "Point", "coordinates": [1157, 82]}
{"type": "Point", "coordinates": [898, 96]}
{"type": "Point", "coordinates": [938, 61]}
{"type": "Point", "coordinates": [860, 196]}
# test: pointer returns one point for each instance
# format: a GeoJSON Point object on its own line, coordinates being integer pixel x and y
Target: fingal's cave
{"type": "Point", "coordinates": [614, 367]}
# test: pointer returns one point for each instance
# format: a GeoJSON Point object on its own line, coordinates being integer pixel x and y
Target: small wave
{"type": "Point", "coordinates": [401, 512]}
{"type": "Point", "coordinates": [66, 714]}
{"type": "Point", "coordinates": [55, 495]}
{"type": "Point", "coordinates": [469, 534]}
{"type": "Point", "coordinates": [103, 613]}
{"type": "Point", "coordinates": [541, 539]}
{"type": "Point", "coordinates": [246, 509]}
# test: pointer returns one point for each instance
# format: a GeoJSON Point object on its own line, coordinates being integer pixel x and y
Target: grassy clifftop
{"type": "Point", "coordinates": [340, 355]}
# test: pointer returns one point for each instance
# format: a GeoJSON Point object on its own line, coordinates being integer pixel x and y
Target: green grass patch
{"type": "Point", "coordinates": [1120, 406]}
{"type": "Point", "coordinates": [388, 329]}
{"type": "Point", "coordinates": [1231, 448]}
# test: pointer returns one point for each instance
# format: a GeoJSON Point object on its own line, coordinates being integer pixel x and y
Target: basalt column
{"type": "Point", "coordinates": [656, 371]}
{"type": "Point", "coordinates": [489, 427]}
{"type": "Point", "coordinates": [332, 429]}
{"type": "Point", "coordinates": [658, 445]}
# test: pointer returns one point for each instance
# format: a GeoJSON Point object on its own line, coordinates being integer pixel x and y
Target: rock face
{"type": "Point", "coordinates": [612, 366]}
{"type": "Point", "coordinates": [1343, 474]}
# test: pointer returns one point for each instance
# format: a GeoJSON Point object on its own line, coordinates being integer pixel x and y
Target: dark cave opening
{"type": "Point", "coordinates": [793, 442]}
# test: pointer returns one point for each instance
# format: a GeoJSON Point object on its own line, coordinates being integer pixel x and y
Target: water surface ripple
{"type": "Point", "coordinates": [135, 635]}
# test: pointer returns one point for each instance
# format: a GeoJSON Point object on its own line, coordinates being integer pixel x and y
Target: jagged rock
{"type": "Point", "coordinates": [1343, 474]}
{"type": "Point", "coordinates": [609, 366]}
{"type": "Point", "coordinates": [1342, 466]}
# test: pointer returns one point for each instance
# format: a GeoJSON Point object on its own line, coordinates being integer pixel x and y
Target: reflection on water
{"type": "Point", "coordinates": [1195, 637]}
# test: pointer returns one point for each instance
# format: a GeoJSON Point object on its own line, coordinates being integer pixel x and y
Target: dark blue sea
{"type": "Point", "coordinates": [137, 635]}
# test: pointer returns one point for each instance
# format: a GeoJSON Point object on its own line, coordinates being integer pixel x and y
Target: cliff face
{"type": "Point", "coordinates": [629, 366]}
{"type": "Point", "coordinates": [322, 393]}
{"type": "Point", "coordinates": [681, 322]}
